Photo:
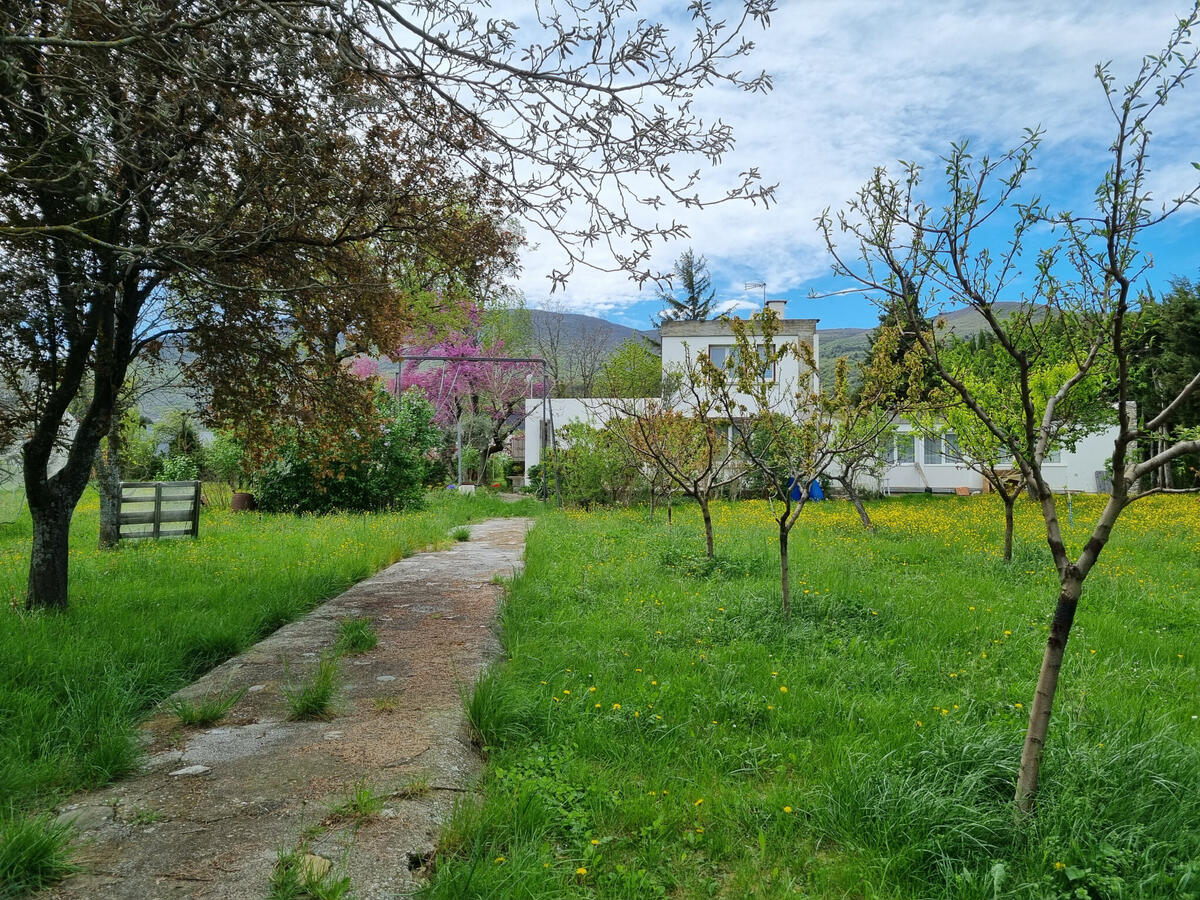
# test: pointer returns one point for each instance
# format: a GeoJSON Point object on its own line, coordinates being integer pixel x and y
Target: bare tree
{"type": "Point", "coordinates": [915, 258]}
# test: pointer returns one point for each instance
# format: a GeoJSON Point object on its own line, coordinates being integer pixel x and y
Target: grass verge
{"type": "Point", "coordinates": [149, 617]}
{"type": "Point", "coordinates": [658, 729]}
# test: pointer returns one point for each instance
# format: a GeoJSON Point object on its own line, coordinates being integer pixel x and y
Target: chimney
{"type": "Point", "coordinates": [778, 306]}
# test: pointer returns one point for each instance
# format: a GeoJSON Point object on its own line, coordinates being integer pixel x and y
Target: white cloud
{"type": "Point", "coordinates": [860, 84]}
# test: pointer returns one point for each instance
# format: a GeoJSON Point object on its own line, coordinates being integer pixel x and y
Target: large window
{"type": "Point", "coordinates": [722, 355]}
{"type": "Point", "coordinates": [942, 450]}
{"type": "Point", "coordinates": [725, 355]}
{"type": "Point", "coordinates": [904, 450]}
{"type": "Point", "coordinates": [950, 451]}
{"type": "Point", "coordinates": [933, 450]}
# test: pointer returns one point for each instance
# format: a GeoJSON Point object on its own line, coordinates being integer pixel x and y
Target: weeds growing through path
{"type": "Point", "coordinates": [312, 699]}
{"type": "Point", "coordinates": [207, 710]}
{"type": "Point", "coordinates": [356, 636]}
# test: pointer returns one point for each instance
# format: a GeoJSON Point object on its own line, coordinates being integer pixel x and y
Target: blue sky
{"type": "Point", "coordinates": [860, 84]}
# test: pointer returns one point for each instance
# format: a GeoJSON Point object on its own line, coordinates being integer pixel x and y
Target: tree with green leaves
{"type": "Point", "coordinates": [632, 370]}
{"type": "Point", "coordinates": [691, 296]}
{"type": "Point", "coordinates": [981, 364]}
{"type": "Point", "coordinates": [792, 431]}
{"type": "Point", "coordinates": [1166, 350]}
{"type": "Point", "coordinates": [919, 255]}
{"type": "Point", "coordinates": [684, 435]}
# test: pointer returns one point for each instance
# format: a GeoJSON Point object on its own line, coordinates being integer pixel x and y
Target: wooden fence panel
{"type": "Point", "coordinates": [159, 503]}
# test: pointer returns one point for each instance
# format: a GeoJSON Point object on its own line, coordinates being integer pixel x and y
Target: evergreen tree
{"type": "Point", "coordinates": [692, 297]}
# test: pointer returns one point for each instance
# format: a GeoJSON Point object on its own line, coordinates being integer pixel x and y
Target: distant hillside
{"type": "Point", "coordinates": [574, 327]}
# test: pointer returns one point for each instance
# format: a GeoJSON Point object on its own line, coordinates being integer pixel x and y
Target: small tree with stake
{"type": "Point", "coordinates": [914, 257]}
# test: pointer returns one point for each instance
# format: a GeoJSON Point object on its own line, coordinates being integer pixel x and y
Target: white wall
{"type": "Point", "coordinates": [563, 411]}
{"type": "Point", "coordinates": [682, 341]}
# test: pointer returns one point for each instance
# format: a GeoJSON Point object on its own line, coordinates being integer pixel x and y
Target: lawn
{"type": "Point", "coordinates": [658, 729]}
{"type": "Point", "coordinates": [151, 616]}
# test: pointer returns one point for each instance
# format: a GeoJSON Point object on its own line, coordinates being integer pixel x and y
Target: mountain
{"type": "Point", "coordinates": [574, 328]}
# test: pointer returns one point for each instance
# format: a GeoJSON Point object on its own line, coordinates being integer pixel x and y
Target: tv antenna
{"type": "Point", "coordinates": [758, 284]}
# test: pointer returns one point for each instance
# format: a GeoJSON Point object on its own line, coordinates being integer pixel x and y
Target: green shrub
{"type": "Point", "coordinates": [386, 473]}
{"type": "Point", "coordinates": [178, 468]}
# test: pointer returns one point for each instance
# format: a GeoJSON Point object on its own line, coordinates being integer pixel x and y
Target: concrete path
{"type": "Point", "coordinates": [215, 807]}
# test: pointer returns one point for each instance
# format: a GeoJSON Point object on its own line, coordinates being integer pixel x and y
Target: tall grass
{"type": "Point", "coordinates": [148, 618]}
{"type": "Point", "coordinates": [659, 730]}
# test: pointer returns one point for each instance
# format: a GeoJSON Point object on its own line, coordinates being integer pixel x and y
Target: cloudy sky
{"type": "Point", "coordinates": [861, 83]}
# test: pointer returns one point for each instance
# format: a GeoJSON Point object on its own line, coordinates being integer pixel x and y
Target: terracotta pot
{"type": "Point", "coordinates": [242, 501]}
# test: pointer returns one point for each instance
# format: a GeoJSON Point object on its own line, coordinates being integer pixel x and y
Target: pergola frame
{"type": "Point", "coordinates": [547, 410]}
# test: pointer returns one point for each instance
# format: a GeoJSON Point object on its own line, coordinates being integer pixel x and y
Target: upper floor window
{"type": "Point", "coordinates": [725, 355]}
{"type": "Point", "coordinates": [722, 355]}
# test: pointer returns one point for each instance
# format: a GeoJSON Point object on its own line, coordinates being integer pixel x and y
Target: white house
{"type": "Point", "coordinates": [917, 463]}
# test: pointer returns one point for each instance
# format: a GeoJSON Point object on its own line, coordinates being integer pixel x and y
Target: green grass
{"type": "Point", "coordinates": [148, 618]}
{"type": "Point", "coordinates": [356, 636]}
{"type": "Point", "coordinates": [461, 533]}
{"type": "Point", "coordinates": [361, 802]}
{"type": "Point", "coordinates": [640, 741]}
{"type": "Point", "coordinates": [312, 698]}
{"type": "Point", "coordinates": [293, 878]}
{"type": "Point", "coordinates": [33, 853]}
{"type": "Point", "coordinates": [207, 710]}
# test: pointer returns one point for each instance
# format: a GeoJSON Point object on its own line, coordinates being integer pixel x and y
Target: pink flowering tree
{"type": "Point", "coordinates": [484, 398]}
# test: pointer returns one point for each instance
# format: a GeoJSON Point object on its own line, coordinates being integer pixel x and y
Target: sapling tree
{"type": "Point", "coordinates": [684, 435]}
{"type": "Point", "coordinates": [861, 461]}
{"type": "Point", "coordinates": [915, 257]}
{"type": "Point", "coordinates": [990, 375]}
{"type": "Point", "coordinates": [791, 430]}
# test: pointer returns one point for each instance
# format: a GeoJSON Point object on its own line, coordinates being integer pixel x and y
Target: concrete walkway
{"type": "Point", "coordinates": [215, 807]}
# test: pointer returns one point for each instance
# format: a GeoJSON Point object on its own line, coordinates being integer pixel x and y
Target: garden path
{"type": "Point", "coordinates": [262, 785]}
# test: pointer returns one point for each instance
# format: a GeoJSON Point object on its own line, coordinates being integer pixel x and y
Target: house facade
{"type": "Point", "coordinates": [915, 463]}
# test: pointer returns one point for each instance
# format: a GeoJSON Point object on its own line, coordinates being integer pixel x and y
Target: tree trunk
{"type": "Point", "coordinates": [708, 527]}
{"type": "Point", "coordinates": [108, 479]}
{"type": "Point", "coordinates": [48, 555]}
{"type": "Point", "coordinates": [1009, 503]}
{"type": "Point", "coordinates": [670, 521]}
{"type": "Point", "coordinates": [785, 583]}
{"type": "Point", "coordinates": [1043, 699]}
{"type": "Point", "coordinates": [858, 505]}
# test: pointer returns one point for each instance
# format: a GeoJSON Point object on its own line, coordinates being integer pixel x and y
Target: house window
{"type": "Point", "coordinates": [950, 451]}
{"type": "Point", "coordinates": [933, 451]}
{"type": "Point", "coordinates": [1054, 455]}
{"type": "Point", "coordinates": [768, 371]}
{"type": "Point", "coordinates": [722, 355]}
{"type": "Point", "coordinates": [904, 451]}
{"type": "Point", "coordinates": [725, 356]}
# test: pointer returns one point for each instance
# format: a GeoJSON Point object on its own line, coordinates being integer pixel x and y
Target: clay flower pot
{"type": "Point", "coordinates": [242, 501]}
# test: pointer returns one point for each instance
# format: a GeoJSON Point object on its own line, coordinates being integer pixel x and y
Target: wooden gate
{"type": "Point", "coordinates": [160, 509]}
